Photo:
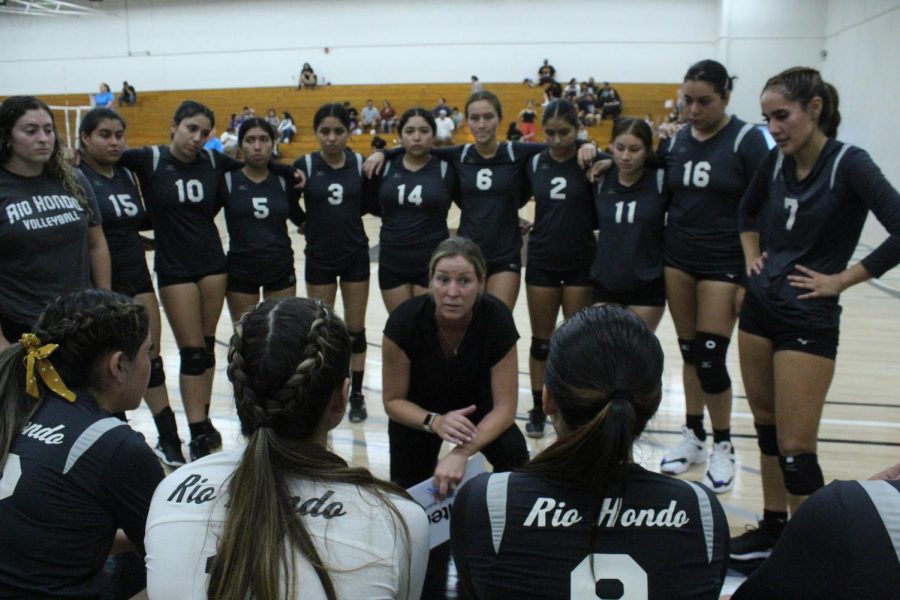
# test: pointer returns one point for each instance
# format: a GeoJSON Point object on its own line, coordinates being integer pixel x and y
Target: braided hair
{"type": "Point", "coordinates": [87, 326]}
{"type": "Point", "coordinates": [287, 360]}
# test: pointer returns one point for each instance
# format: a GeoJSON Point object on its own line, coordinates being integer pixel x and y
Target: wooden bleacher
{"type": "Point", "coordinates": [148, 122]}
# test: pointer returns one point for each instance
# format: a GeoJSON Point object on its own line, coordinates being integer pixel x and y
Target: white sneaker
{"type": "Point", "coordinates": [691, 451]}
{"type": "Point", "coordinates": [720, 474]}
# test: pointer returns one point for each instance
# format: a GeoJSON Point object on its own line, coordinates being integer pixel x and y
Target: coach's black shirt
{"type": "Point", "coordinates": [74, 475]}
{"type": "Point", "coordinates": [442, 384]}
{"type": "Point", "coordinates": [515, 536]}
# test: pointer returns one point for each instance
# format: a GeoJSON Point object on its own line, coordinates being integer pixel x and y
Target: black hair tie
{"type": "Point", "coordinates": [620, 394]}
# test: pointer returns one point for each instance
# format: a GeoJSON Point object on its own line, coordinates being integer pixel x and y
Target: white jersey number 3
{"type": "Point", "coordinates": [483, 179]}
{"type": "Point", "coordinates": [337, 194]}
{"type": "Point", "coordinates": [697, 174]}
{"type": "Point", "coordinates": [615, 568]}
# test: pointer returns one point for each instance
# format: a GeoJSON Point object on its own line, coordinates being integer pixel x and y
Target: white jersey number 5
{"type": "Point", "coordinates": [614, 567]}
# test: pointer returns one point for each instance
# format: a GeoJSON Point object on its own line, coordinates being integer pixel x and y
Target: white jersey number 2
{"type": "Point", "coordinates": [619, 568]}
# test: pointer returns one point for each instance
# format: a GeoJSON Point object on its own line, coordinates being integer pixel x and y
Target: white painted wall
{"type": "Point", "coordinates": [863, 63]}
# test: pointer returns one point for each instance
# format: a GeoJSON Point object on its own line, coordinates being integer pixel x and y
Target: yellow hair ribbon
{"type": "Point", "coordinates": [37, 355]}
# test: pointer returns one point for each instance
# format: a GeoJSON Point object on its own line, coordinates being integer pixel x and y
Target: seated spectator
{"type": "Point", "coordinates": [234, 121]}
{"type": "Point", "coordinates": [476, 85]}
{"type": "Point", "coordinates": [610, 102]}
{"type": "Point", "coordinates": [287, 129]}
{"type": "Point", "coordinates": [388, 117]}
{"type": "Point", "coordinates": [283, 516]}
{"type": "Point", "coordinates": [572, 88]}
{"type": "Point", "coordinates": [546, 73]}
{"type": "Point", "coordinates": [103, 99]}
{"type": "Point", "coordinates": [582, 520]}
{"type": "Point", "coordinates": [308, 78]}
{"type": "Point", "coordinates": [587, 111]}
{"type": "Point", "coordinates": [370, 118]}
{"type": "Point", "coordinates": [272, 118]}
{"type": "Point", "coordinates": [353, 118]}
{"type": "Point", "coordinates": [229, 139]}
{"type": "Point", "coordinates": [841, 543]}
{"type": "Point", "coordinates": [77, 481]}
{"type": "Point", "coordinates": [591, 87]}
{"type": "Point", "coordinates": [512, 133]}
{"type": "Point", "coordinates": [552, 92]}
{"type": "Point", "coordinates": [441, 106]}
{"type": "Point", "coordinates": [128, 95]}
{"type": "Point", "coordinates": [444, 129]}
{"type": "Point", "coordinates": [214, 143]}
{"type": "Point", "coordinates": [458, 120]}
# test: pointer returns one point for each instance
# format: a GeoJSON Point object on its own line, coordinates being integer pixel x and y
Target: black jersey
{"type": "Point", "coordinates": [74, 475]}
{"type": "Point", "coordinates": [707, 180]}
{"type": "Point", "coordinates": [562, 238]}
{"type": "Point", "coordinates": [515, 535]}
{"type": "Point", "coordinates": [631, 221]}
{"type": "Point", "coordinates": [123, 214]}
{"type": "Point", "coordinates": [491, 192]}
{"type": "Point", "coordinates": [43, 243]}
{"type": "Point", "coordinates": [256, 215]}
{"type": "Point", "coordinates": [414, 204]}
{"type": "Point", "coordinates": [817, 223]}
{"type": "Point", "coordinates": [334, 203]}
{"type": "Point", "coordinates": [182, 200]}
{"type": "Point", "coordinates": [844, 542]}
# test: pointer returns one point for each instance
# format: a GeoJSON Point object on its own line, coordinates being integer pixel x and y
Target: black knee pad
{"type": "Point", "coordinates": [709, 359]}
{"type": "Point", "coordinates": [157, 373]}
{"type": "Point", "coordinates": [358, 341]}
{"type": "Point", "coordinates": [687, 350]}
{"type": "Point", "coordinates": [194, 361]}
{"type": "Point", "coordinates": [767, 438]}
{"type": "Point", "coordinates": [802, 473]}
{"type": "Point", "coordinates": [210, 342]}
{"type": "Point", "coordinates": [540, 349]}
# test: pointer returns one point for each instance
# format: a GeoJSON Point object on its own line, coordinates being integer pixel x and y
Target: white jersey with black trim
{"type": "Point", "coordinates": [356, 535]}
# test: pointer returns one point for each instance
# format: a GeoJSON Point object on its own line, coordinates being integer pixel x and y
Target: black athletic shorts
{"type": "Point", "coordinates": [649, 294]}
{"type": "Point", "coordinates": [404, 266]}
{"type": "Point", "coordinates": [550, 278]}
{"type": "Point", "coordinates": [727, 275]}
{"type": "Point", "coordinates": [505, 266]}
{"type": "Point", "coordinates": [251, 286]}
{"type": "Point", "coordinates": [133, 280]}
{"type": "Point", "coordinates": [757, 319]}
{"type": "Point", "coordinates": [356, 270]}
{"type": "Point", "coordinates": [163, 279]}
{"type": "Point", "coordinates": [13, 330]}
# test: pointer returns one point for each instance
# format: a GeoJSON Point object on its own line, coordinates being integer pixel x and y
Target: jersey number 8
{"type": "Point", "coordinates": [609, 572]}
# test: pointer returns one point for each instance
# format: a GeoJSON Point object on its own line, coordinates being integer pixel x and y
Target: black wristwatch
{"type": "Point", "coordinates": [429, 419]}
